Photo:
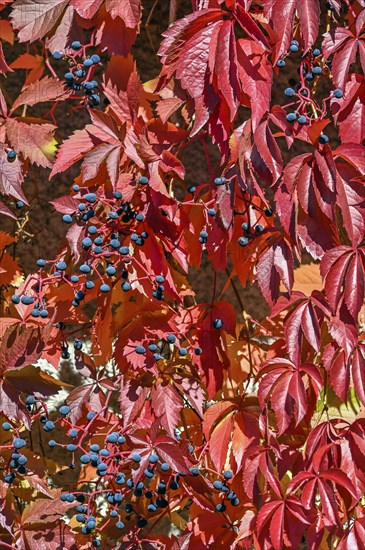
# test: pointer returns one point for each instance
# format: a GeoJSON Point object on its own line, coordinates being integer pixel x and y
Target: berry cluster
{"type": "Point", "coordinates": [81, 69]}
{"type": "Point", "coordinates": [307, 110]}
{"type": "Point", "coordinates": [107, 248]}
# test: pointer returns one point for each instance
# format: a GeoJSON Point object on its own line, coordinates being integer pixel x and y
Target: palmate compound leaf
{"type": "Point", "coordinates": [282, 385]}
{"type": "Point", "coordinates": [215, 69]}
{"type": "Point", "coordinates": [231, 421]}
{"type": "Point", "coordinates": [306, 200]}
{"type": "Point", "coordinates": [281, 520]}
{"type": "Point", "coordinates": [304, 319]}
{"type": "Point", "coordinates": [343, 44]}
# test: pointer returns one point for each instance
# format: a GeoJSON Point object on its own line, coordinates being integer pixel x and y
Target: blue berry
{"type": "Point", "coordinates": [18, 443]}
{"type": "Point", "coordinates": [171, 338]}
{"type": "Point", "coordinates": [227, 474]}
{"type": "Point", "coordinates": [124, 250]}
{"type": "Point", "coordinates": [323, 139]}
{"type": "Point", "coordinates": [316, 52]}
{"type": "Point", "coordinates": [19, 204]}
{"type": "Point", "coordinates": [160, 279]}
{"type": "Point", "coordinates": [64, 409]}
{"type": "Point", "coordinates": [211, 212]}
{"type": "Point", "coordinates": [84, 268]}
{"type": "Point", "coordinates": [153, 459]}
{"type": "Point", "coordinates": [85, 459]}
{"type": "Point", "coordinates": [57, 55]}
{"type": "Point", "coordinates": [35, 313]}
{"type": "Point", "coordinates": [71, 447]}
{"type": "Point", "coordinates": [69, 76]}
{"type": "Point", "coordinates": [27, 300]}
{"type": "Point", "coordinates": [41, 263]}
{"type": "Point", "coordinates": [217, 485]}
{"type": "Point", "coordinates": [90, 197]}
{"type": "Point", "coordinates": [119, 525]}
{"type": "Point", "coordinates": [204, 234]}
{"type": "Point", "coordinates": [82, 207]}
{"type": "Point", "coordinates": [140, 350]}
{"type": "Point", "coordinates": [117, 195]}
{"type": "Point", "coordinates": [143, 180]}
{"type": "Point", "coordinates": [149, 473]}
{"type": "Point", "coordinates": [151, 508]}
{"type": "Point", "coordinates": [259, 228]}
{"type": "Point", "coordinates": [126, 286]}
{"type": "Point", "coordinates": [183, 352]}
{"type": "Point", "coordinates": [90, 415]}
{"type": "Point", "coordinates": [30, 400]}
{"type": "Point", "coordinates": [112, 437]}
{"type": "Point", "coordinates": [293, 48]}
{"type": "Point", "coordinates": [102, 467]}
{"type": "Point", "coordinates": [88, 63]}
{"type": "Point", "coordinates": [220, 507]}
{"type": "Point", "coordinates": [289, 92]}
{"type": "Point", "coordinates": [136, 457]}
{"type": "Point", "coordinates": [94, 447]}
{"type": "Point", "coordinates": [76, 45]}
{"type": "Point", "coordinates": [280, 63]}
{"type": "Point", "coordinates": [317, 70]}
{"type": "Point", "coordinates": [73, 432]}
{"type": "Point", "coordinates": [219, 181]}
{"type": "Point", "coordinates": [89, 285]}
{"type": "Point", "coordinates": [121, 439]}
{"type": "Point", "coordinates": [15, 299]}
{"type": "Point", "coordinates": [192, 189]}
{"type": "Point", "coordinates": [165, 467]}
{"type": "Point", "coordinates": [198, 351]}
{"type": "Point", "coordinates": [152, 347]}
{"type": "Point", "coordinates": [242, 241]}
{"type": "Point", "coordinates": [9, 478]}
{"type": "Point", "coordinates": [302, 119]}
{"type": "Point", "coordinates": [194, 471]}
{"type": "Point", "coordinates": [104, 452]}
{"type": "Point", "coordinates": [95, 58]}
{"type": "Point", "coordinates": [52, 443]}
{"type": "Point", "coordinates": [338, 93]}
{"type": "Point", "coordinates": [49, 425]}
{"type": "Point", "coordinates": [61, 266]}
{"type": "Point", "coordinates": [114, 243]}
{"type": "Point", "coordinates": [87, 242]}
{"type": "Point", "coordinates": [291, 117]}
{"type": "Point", "coordinates": [6, 426]}
{"type": "Point", "coordinates": [218, 323]}
{"type": "Point", "coordinates": [104, 288]}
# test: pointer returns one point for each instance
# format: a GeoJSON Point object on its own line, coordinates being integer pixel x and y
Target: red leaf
{"type": "Point", "coordinates": [33, 138]}
{"type": "Point", "coordinates": [167, 404]}
{"type": "Point", "coordinates": [35, 18]}
{"type": "Point", "coordinates": [47, 89]}
{"type": "Point", "coordinates": [11, 177]}
{"type": "Point", "coordinates": [255, 74]}
{"type": "Point", "coordinates": [5, 211]}
{"type": "Point", "coordinates": [128, 10]}
{"type": "Point", "coordinates": [275, 264]}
